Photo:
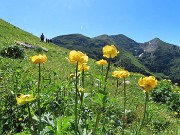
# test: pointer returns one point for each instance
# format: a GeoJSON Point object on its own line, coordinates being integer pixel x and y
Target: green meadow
{"type": "Point", "coordinates": [66, 103]}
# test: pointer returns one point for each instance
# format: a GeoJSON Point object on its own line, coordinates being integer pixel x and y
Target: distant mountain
{"type": "Point", "coordinates": [93, 48]}
{"type": "Point", "coordinates": [152, 57]}
{"type": "Point", "coordinates": [162, 57]}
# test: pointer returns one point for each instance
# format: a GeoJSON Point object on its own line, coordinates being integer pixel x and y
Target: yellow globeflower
{"type": "Point", "coordinates": [101, 62]}
{"type": "Point", "coordinates": [81, 90]}
{"type": "Point", "coordinates": [77, 56]}
{"type": "Point", "coordinates": [120, 74]}
{"type": "Point", "coordinates": [148, 83]}
{"type": "Point", "coordinates": [83, 67]}
{"type": "Point", "coordinates": [20, 119]}
{"type": "Point", "coordinates": [110, 51]}
{"type": "Point", "coordinates": [123, 74]}
{"type": "Point", "coordinates": [74, 75]}
{"type": "Point", "coordinates": [39, 59]}
{"type": "Point", "coordinates": [23, 99]}
{"type": "Point", "coordinates": [115, 74]}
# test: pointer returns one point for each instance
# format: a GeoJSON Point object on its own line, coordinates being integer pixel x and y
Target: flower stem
{"type": "Point", "coordinates": [82, 96]}
{"type": "Point", "coordinates": [83, 79]}
{"type": "Point", "coordinates": [97, 121]}
{"type": "Point", "coordinates": [76, 95]}
{"type": "Point", "coordinates": [117, 85]}
{"type": "Point", "coordinates": [101, 75]}
{"type": "Point", "coordinates": [102, 70]}
{"type": "Point", "coordinates": [39, 96]}
{"type": "Point", "coordinates": [109, 63]}
{"type": "Point", "coordinates": [124, 108]}
{"type": "Point", "coordinates": [145, 111]}
{"type": "Point", "coordinates": [31, 120]}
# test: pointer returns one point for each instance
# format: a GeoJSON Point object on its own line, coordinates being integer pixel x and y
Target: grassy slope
{"type": "Point", "coordinates": [9, 34]}
{"type": "Point", "coordinates": [57, 63]}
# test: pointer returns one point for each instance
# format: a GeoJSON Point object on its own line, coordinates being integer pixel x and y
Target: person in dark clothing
{"type": "Point", "coordinates": [42, 37]}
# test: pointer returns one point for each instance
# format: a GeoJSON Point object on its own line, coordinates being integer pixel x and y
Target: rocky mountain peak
{"type": "Point", "coordinates": [154, 41]}
{"type": "Point", "coordinates": [152, 45]}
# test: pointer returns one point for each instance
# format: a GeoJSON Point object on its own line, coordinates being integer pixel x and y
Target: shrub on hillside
{"type": "Point", "coordinates": [163, 91]}
{"type": "Point", "coordinates": [167, 93]}
{"type": "Point", "coordinates": [12, 51]}
{"type": "Point", "coordinates": [174, 104]}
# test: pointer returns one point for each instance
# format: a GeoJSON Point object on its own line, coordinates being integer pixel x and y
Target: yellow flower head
{"type": "Point", "coordinates": [147, 83]}
{"type": "Point", "coordinates": [110, 51]}
{"type": "Point", "coordinates": [83, 67]}
{"type": "Point", "coordinates": [74, 75]}
{"type": "Point", "coordinates": [101, 62]}
{"type": "Point", "coordinates": [20, 119]}
{"type": "Point", "coordinates": [81, 90]}
{"type": "Point", "coordinates": [39, 59]}
{"type": "Point", "coordinates": [23, 99]}
{"type": "Point", "coordinates": [120, 74]}
{"type": "Point", "coordinates": [77, 56]}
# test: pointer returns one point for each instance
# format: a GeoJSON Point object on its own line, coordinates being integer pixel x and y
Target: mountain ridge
{"type": "Point", "coordinates": [152, 57]}
{"type": "Point", "coordinates": [93, 47]}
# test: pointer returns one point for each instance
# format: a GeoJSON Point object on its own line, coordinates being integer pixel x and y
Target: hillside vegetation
{"type": "Point", "coordinates": [50, 98]}
{"type": "Point", "coordinates": [93, 47]}
{"type": "Point", "coordinates": [153, 57]}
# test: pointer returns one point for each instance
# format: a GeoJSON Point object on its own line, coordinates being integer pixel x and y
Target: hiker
{"type": "Point", "coordinates": [42, 37]}
{"type": "Point", "coordinates": [47, 40]}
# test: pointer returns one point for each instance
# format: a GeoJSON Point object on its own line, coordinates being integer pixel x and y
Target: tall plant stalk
{"type": "Point", "coordinates": [97, 121]}
{"type": "Point", "coordinates": [82, 109]}
{"type": "Point", "coordinates": [76, 101]}
{"type": "Point", "coordinates": [102, 69]}
{"type": "Point", "coordinates": [117, 86]}
{"type": "Point", "coordinates": [83, 79]}
{"type": "Point", "coordinates": [39, 96]}
{"type": "Point", "coordinates": [107, 71]}
{"type": "Point", "coordinates": [31, 120]}
{"type": "Point", "coordinates": [104, 99]}
{"type": "Point", "coordinates": [145, 111]}
{"type": "Point", "coordinates": [124, 108]}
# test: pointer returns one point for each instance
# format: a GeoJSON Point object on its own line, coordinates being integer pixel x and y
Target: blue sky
{"type": "Point", "coordinates": [141, 20]}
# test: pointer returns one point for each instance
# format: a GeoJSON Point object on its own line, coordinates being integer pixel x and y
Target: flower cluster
{"type": "Point", "coordinates": [83, 67]}
{"type": "Point", "coordinates": [120, 74]}
{"type": "Point", "coordinates": [80, 58]}
{"type": "Point", "coordinates": [38, 59]}
{"type": "Point", "coordinates": [77, 56]}
{"type": "Point", "coordinates": [148, 83]}
{"type": "Point", "coordinates": [101, 62]}
{"type": "Point", "coordinates": [23, 99]}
